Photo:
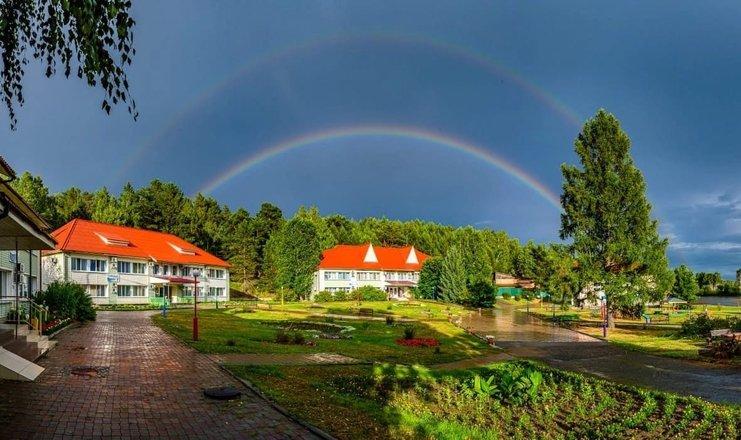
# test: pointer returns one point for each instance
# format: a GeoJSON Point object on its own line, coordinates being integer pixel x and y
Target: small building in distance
{"type": "Point", "coordinates": [124, 265]}
{"type": "Point", "coordinates": [510, 284]}
{"type": "Point", "coordinates": [344, 268]}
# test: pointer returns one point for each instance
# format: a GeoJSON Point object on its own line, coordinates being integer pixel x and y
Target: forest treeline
{"type": "Point", "coordinates": [268, 250]}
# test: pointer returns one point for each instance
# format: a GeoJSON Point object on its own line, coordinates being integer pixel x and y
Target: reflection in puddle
{"type": "Point", "coordinates": [507, 324]}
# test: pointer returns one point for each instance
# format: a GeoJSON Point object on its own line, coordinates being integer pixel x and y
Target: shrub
{"type": "Point", "coordinates": [323, 296]}
{"type": "Point", "coordinates": [633, 311]}
{"type": "Point", "coordinates": [389, 320]}
{"type": "Point", "coordinates": [700, 325]}
{"type": "Point", "coordinates": [282, 337]}
{"type": "Point", "coordinates": [341, 296]}
{"type": "Point", "coordinates": [12, 315]}
{"type": "Point", "coordinates": [370, 293]}
{"type": "Point", "coordinates": [298, 338]}
{"type": "Point", "coordinates": [506, 296]}
{"type": "Point", "coordinates": [231, 342]}
{"type": "Point", "coordinates": [66, 299]}
{"type": "Point", "coordinates": [481, 294]}
{"type": "Point", "coordinates": [409, 331]}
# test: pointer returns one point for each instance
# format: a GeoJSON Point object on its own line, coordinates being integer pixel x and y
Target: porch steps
{"type": "Point", "coordinates": [17, 356]}
{"type": "Point", "coordinates": [15, 367]}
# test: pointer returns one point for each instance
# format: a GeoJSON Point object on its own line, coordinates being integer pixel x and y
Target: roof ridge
{"type": "Point", "coordinates": [69, 233]}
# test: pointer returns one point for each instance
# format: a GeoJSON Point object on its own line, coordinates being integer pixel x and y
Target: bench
{"type": "Point", "coordinates": [365, 312]}
{"type": "Point", "coordinates": [720, 332]}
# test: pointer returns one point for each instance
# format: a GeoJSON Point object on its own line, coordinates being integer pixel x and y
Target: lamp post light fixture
{"type": "Point", "coordinates": [196, 274]}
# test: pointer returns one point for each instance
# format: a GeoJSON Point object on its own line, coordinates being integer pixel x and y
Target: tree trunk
{"type": "Point", "coordinates": [610, 319]}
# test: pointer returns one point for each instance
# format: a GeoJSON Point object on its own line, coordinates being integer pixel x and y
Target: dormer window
{"type": "Point", "coordinates": [183, 250]}
{"type": "Point", "coordinates": [113, 240]}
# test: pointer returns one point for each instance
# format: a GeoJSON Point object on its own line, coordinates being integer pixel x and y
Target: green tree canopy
{"type": "Point", "coordinates": [608, 217]}
{"type": "Point", "coordinates": [297, 248]}
{"type": "Point", "coordinates": [685, 283]}
{"type": "Point", "coordinates": [92, 38]}
{"type": "Point", "coordinates": [453, 276]}
{"type": "Point", "coordinates": [428, 286]}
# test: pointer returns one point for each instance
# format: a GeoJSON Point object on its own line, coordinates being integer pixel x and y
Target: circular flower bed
{"type": "Point", "coordinates": [418, 342]}
{"type": "Point", "coordinates": [324, 330]}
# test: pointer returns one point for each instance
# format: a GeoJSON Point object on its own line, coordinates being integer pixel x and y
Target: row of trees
{"type": "Point", "coordinates": [688, 285]}
{"type": "Point", "coordinates": [613, 244]}
{"type": "Point", "coordinates": [267, 250]}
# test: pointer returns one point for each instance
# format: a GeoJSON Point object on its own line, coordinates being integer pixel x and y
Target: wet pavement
{"type": "Point", "coordinates": [524, 336]}
{"type": "Point", "coordinates": [122, 377]}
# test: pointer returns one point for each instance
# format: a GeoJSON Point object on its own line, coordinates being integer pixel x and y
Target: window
{"type": "Point", "coordinates": [124, 267]}
{"type": "Point", "coordinates": [216, 291]}
{"type": "Point", "coordinates": [185, 271]}
{"type": "Point", "coordinates": [96, 290]}
{"type": "Point", "coordinates": [97, 265]}
{"type": "Point", "coordinates": [187, 291]}
{"type": "Point", "coordinates": [132, 291]}
{"type": "Point", "coordinates": [369, 276]}
{"type": "Point", "coordinates": [85, 265]}
{"type": "Point", "coordinates": [138, 268]}
{"type": "Point", "coordinates": [334, 276]}
{"type": "Point", "coordinates": [337, 289]}
{"type": "Point", "coordinates": [156, 269]}
{"type": "Point", "coordinates": [216, 273]}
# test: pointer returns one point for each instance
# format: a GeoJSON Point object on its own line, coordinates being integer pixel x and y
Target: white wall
{"type": "Point", "coordinates": [58, 267]}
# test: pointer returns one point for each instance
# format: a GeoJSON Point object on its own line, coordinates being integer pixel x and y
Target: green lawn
{"type": "Point", "coordinates": [654, 341]}
{"type": "Point", "coordinates": [240, 330]}
{"type": "Point", "coordinates": [546, 311]}
{"type": "Point", "coordinates": [412, 402]}
{"type": "Point", "coordinates": [658, 338]}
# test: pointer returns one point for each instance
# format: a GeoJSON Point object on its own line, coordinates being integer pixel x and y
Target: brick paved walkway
{"type": "Point", "coordinates": [152, 389]}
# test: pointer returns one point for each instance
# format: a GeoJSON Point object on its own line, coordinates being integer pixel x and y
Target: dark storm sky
{"type": "Point", "coordinates": [217, 82]}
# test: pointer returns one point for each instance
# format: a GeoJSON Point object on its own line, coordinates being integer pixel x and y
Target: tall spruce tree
{"type": "Point", "coordinates": [608, 217]}
{"type": "Point", "coordinates": [453, 276]}
{"type": "Point", "coordinates": [429, 278]}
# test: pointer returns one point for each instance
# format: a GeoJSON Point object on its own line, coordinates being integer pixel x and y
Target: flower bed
{"type": "Point", "coordinates": [54, 325]}
{"type": "Point", "coordinates": [418, 342]}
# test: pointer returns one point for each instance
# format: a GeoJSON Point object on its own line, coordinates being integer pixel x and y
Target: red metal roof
{"type": "Point", "coordinates": [86, 236]}
{"type": "Point", "coordinates": [353, 257]}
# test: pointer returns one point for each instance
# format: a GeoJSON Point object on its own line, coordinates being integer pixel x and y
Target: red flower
{"type": "Point", "coordinates": [418, 342]}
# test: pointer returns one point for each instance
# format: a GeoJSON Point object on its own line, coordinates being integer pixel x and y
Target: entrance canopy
{"type": "Point", "coordinates": [20, 226]}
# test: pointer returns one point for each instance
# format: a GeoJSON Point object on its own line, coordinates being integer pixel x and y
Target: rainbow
{"type": "Point", "coordinates": [314, 138]}
{"type": "Point", "coordinates": [461, 53]}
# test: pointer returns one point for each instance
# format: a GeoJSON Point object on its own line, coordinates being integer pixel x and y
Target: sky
{"type": "Point", "coordinates": [454, 112]}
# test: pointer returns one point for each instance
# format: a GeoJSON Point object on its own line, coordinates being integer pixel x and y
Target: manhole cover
{"type": "Point", "coordinates": [88, 371]}
{"type": "Point", "coordinates": [222, 393]}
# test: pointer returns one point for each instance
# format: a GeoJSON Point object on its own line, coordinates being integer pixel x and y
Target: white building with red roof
{"type": "Point", "coordinates": [344, 268]}
{"type": "Point", "coordinates": [124, 265]}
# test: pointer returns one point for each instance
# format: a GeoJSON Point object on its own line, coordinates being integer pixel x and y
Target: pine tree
{"type": "Point", "coordinates": [608, 217]}
{"type": "Point", "coordinates": [429, 278]}
{"type": "Point", "coordinates": [297, 251]}
{"type": "Point", "coordinates": [453, 277]}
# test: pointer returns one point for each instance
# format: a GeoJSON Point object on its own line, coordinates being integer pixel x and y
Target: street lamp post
{"type": "Point", "coordinates": [196, 274]}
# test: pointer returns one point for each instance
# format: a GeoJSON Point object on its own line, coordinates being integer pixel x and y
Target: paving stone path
{"type": "Point", "coordinates": [146, 385]}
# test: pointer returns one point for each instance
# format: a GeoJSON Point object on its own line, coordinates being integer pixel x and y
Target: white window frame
{"type": "Point", "coordinates": [86, 265]}
{"type": "Point", "coordinates": [94, 289]}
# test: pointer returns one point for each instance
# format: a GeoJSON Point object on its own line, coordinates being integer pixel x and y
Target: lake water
{"type": "Point", "coordinates": [722, 300]}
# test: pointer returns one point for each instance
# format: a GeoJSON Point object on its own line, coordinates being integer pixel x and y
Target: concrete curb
{"type": "Point", "coordinates": [313, 429]}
